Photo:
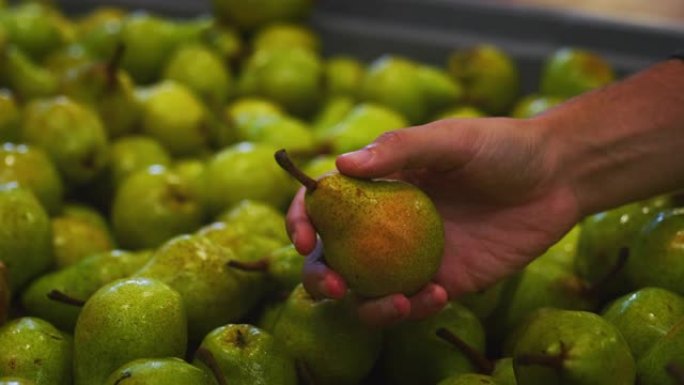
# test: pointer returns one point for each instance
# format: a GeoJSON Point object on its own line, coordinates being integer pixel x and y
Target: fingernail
{"type": "Point", "coordinates": [359, 157]}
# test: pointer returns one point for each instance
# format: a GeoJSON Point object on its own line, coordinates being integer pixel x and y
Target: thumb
{"type": "Point", "coordinates": [444, 144]}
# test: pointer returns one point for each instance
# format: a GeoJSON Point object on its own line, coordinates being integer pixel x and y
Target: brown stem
{"type": "Point", "coordinates": [208, 359]}
{"type": "Point", "coordinates": [555, 361]}
{"type": "Point", "coordinates": [59, 296]}
{"type": "Point", "coordinates": [600, 285]}
{"type": "Point", "coordinates": [676, 371]}
{"type": "Point", "coordinates": [114, 64]}
{"type": "Point", "coordinates": [483, 365]}
{"type": "Point", "coordinates": [124, 376]}
{"type": "Point", "coordinates": [285, 162]}
{"type": "Point", "coordinates": [305, 373]}
{"type": "Point", "coordinates": [259, 266]}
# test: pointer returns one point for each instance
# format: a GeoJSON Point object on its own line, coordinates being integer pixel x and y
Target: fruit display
{"type": "Point", "coordinates": [146, 163]}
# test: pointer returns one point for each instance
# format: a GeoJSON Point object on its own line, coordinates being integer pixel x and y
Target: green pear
{"type": "Point", "coordinates": [201, 70]}
{"type": "Point", "coordinates": [224, 40]}
{"type": "Point", "coordinates": [35, 350]}
{"type": "Point", "coordinates": [99, 31]}
{"type": "Point", "coordinates": [247, 245]}
{"type": "Point", "coordinates": [352, 218]}
{"type": "Point", "coordinates": [333, 111]}
{"type": "Point", "coordinates": [469, 379]}
{"type": "Point", "coordinates": [155, 371]}
{"type": "Point", "coordinates": [328, 341]}
{"type": "Point", "coordinates": [31, 168]}
{"type": "Point", "coordinates": [126, 320]}
{"type": "Point", "coordinates": [66, 59]}
{"type": "Point", "coordinates": [282, 268]}
{"type": "Point", "coordinates": [362, 126]}
{"type": "Point", "coordinates": [25, 237]}
{"type": "Point", "coordinates": [15, 381]}
{"type": "Point", "coordinates": [568, 72]}
{"type": "Point", "coordinates": [290, 133]}
{"type": "Point", "coordinates": [10, 117]}
{"type": "Point", "coordinates": [414, 353]}
{"type": "Point", "coordinates": [78, 282]}
{"type": "Point", "coordinates": [644, 316]}
{"type": "Point", "coordinates": [533, 105]}
{"type": "Point", "coordinates": [439, 89]}
{"type": "Point", "coordinates": [27, 79]}
{"type": "Point", "coordinates": [572, 347]}
{"type": "Point", "coordinates": [33, 28]}
{"type": "Point", "coordinates": [269, 314]}
{"type": "Point", "coordinates": [290, 77]}
{"type": "Point", "coordinates": [320, 165]}
{"type": "Point", "coordinates": [153, 205]}
{"type": "Point", "coordinates": [605, 242]}
{"type": "Point", "coordinates": [252, 14]}
{"type": "Point", "coordinates": [183, 134]}
{"type": "Point", "coordinates": [244, 113]}
{"type": "Point", "coordinates": [194, 172]}
{"type": "Point", "coordinates": [245, 354]}
{"type": "Point", "coordinates": [5, 294]}
{"type": "Point", "coordinates": [74, 239]}
{"type": "Point", "coordinates": [395, 82]}
{"type": "Point", "coordinates": [461, 112]}
{"type": "Point", "coordinates": [489, 77]}
{"type": "Point", "coordinates": [258, 218]}
{"type": "Point", "coordinates": [130, 154]}
{"type": "Point", "coordinates": [343, 76]}
{"type": "Point", "coordinates": [214, 293]}
{"type": "Point", "coordinates": [662, 363]}
{"type": "Point", "coordinates": [655, 256]}
{"type": "Point", "coordinates": [85, 213]}
{"type": "Point", "coordinates": [504, 372]}
{"type": "Point", "coordinates": [483, 303]}
{"type": "Point", "coordinates": [285, 35]}
{"type": "Point", "coordinates": [71, 134]}
{"type": "Point", "coordinates": [247, 171]}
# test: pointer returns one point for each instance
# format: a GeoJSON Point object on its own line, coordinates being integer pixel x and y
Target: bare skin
{"type": "Point", "coordinates": [508, 189]}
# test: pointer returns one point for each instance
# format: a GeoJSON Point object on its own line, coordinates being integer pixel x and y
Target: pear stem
{"type": "Point", "coordinates": [259, 266]}
{"type": "Point", "coordinates": [59, 296]}
{"type": "Point", "coordinates": [554, 361]}
{"type": "Point", "coordinates": [285, 162]}
{"type": "Point", "coordinates": [207, 358]}
{"type": "Point", "coordinates": [478, 359]}
{"type": "Point", "coordinates": [676, 371]}
{"type": "Point", "coordinates": [124, 376]}
{"type": "Point", "coordinates": [600, 285]}
{"type": "Point", "coordinates": [114, 64]}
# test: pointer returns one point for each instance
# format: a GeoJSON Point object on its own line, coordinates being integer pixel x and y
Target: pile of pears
{"type": "Point", "coordinates": [142, 230]}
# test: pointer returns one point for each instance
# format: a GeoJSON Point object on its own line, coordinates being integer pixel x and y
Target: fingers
{"type": "Point", "coordinates": [442, 144]}
{"type": "Point", "coordinates": [320, 281]}
{"type": "Point", "coordinates": [394, 308]}
{"type": "Point", "coordinates": [299, 227]}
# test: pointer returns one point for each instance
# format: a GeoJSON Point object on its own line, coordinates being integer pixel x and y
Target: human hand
{"type": "Point", "coordinates": [495, 183]}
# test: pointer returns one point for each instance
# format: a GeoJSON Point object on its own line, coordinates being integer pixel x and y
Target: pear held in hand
{"type": "Point", "coordinates": [382, 236]}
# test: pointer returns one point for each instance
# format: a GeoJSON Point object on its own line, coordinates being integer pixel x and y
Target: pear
{"type": "Point", "coordinates": [644, 316]}
{"type": "Point", "coordinates": [27, 79]}
{"type": "Point", "coordinates": [99, 31]}
{"type": "Point", "coordinates": [361, 126]}
{"type": "Point", "coordinates": [656, 256]}
{"type": "Point", "coordinates": [414, 352]}
{"type": "Point", "coordinates": [15, 381]}
{"type": "Point", "coordinates": [153, 371]}
{"type": "Point", "coordinates": [439, 89]}
{"type": "Point", "coordinates": [201, 70]}
{"type": "Point", "coordinates": [320, 165]}
{"type": "Point", "coordinates": [504, 372]}
{"type": "Point", "coordinates": [214, 293]}
{"type": "Point", "coordinates": [45, 297]}
{"type": "Point", "coordinates": [126, 320]}
{"type": "Point", "coordinates": [153, 205]}
{"type": "Point", "coordinates": [394, 82]}
{"type": "Point", "coordinates": [285, 35]}
{"type": "Point", "coordinates": [25, 237]}
{"type": "Point", "coordinates": [489, 77]}
{"type": "Point", "coordinates": [244, 113]}
{"type": "Point", "coordinates": [605, 245]}
{"type": "Point", "coordinates": [258, 218]}
{"type": "Point", "coordinates": [245, 354]}
{"type": "Point", "coordinates": [333, 111]}
{"type": "Point", "coordinates": [290, 133]}
{"type": "Point", "coordinates": [572, 347]}
{"type": "Point", "coordinates": [85, 213]}
{"type": "Point", "coordinates": [183, 134]}
{"type": "Point", "coordinates": [250, 15]}
{"type": "Point", "coordinates": [35, 350]}
{"type": "Point", "coordinates": [269, 314]}
{"type": "Point", "coordinates": [568, 72]}
{"type": "Point", "coordinates": [343, 76]}
{"type": "Point", "coordinates": [10, 117]}
{"type": "Point", "coordinates": [31, 168]}
{"type": "Point", "coordinates": [74, 239]}
{"type": "Point", "coordinates": [247, 245]}
{"type": "Point", "coordinates": [253, 175]}
{"type": "Point", "coordinates": [224, 40]}
{"type": "Point", "coordinates": [483, 303]}
{"type": "Point", "coordinates": [352, 218]}
{"type": "Point", "coordinates": [194, 172]}
{"type": "Point", "coordinates": [72, 135]}
{"type": "Point", "coordinates": [469, 379]}
{"type": "Point", "coordinates": [130, 154]}
{"type": "Point", "coordinates": [33, 28]}
{"type": "Point", "coordinates": [662, 363]}
{"type": "Point", "coordinates": [461, 112]}
{"type": "Point", "coordinates": [5, 295]}
{"type": "Point", "coordinates": [328, 341]}
{"type": "Point", "coordinates": [533, 105]}
{"type": "Point", "coordinates": [67, 58]}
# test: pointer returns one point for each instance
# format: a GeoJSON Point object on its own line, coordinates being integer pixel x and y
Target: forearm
{"type": "Point", "coordinates": [624, 142]}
